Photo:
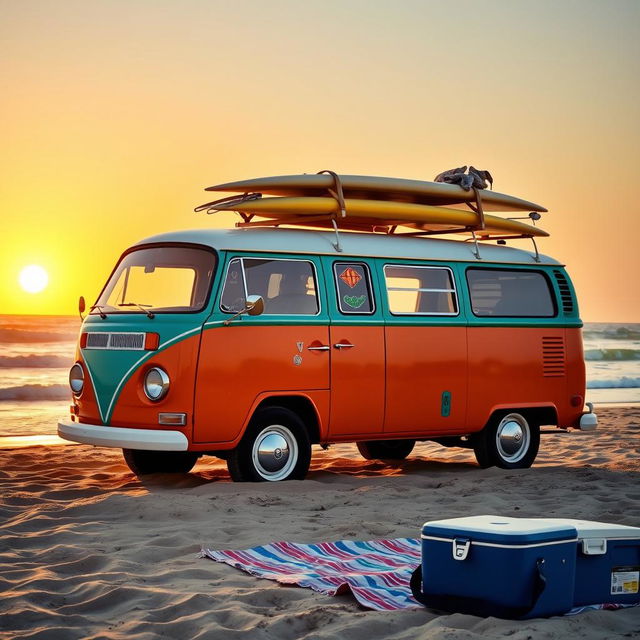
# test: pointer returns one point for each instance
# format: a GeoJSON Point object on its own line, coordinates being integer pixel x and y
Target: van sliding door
{"type": "Point", "coordinates": [426, 350]}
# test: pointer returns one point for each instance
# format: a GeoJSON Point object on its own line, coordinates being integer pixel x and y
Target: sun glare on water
{"type": "Point", "coordinates": [33, 279]}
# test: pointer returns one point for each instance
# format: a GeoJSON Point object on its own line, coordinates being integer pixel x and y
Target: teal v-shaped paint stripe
{"type": "Point", "coordinates": [95, 391]}
{"type": "Point", "coordinates": [127, 375]}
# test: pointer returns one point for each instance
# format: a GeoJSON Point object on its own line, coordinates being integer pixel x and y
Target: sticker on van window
{"type": "Point", "coordinates": [355, 301]}
{"type": "Point", "coordinates": [353, 288]}
{"type": "Point", "coordinates": [351, 278]}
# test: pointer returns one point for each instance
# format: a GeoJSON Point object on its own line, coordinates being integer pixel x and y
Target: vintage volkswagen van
{"type": "Point", "coordinates": [255, 344]}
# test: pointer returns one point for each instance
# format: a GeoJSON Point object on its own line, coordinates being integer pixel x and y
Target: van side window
{"type": "Point", "coordinates": [353, 287]}
{"type": "Point", "coordinates": [234, 294]}
{"type": "Point", "coordinates": [420, 290]}
{"type": "Point", "coordinates": [288, 287]}
{"type": "Point", "coordinates": [512, 294]}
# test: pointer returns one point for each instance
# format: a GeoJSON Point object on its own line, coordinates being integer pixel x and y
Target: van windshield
{"type": "Point", "coordinates": [159, 279]}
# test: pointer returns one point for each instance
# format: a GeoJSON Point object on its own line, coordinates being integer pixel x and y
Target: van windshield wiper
{"type": "Point", "coordinates": [103, 315]}
{"type": "Point", "coordinates": [150, 314]}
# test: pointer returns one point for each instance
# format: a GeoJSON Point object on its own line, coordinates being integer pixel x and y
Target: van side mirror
{"type": "Point", "coordinates": [254, 306]}
{"type": "Point", "coordinates": [81, 306]}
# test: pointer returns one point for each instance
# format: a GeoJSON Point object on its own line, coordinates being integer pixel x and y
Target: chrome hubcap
{"type": "Point", "coordinates": [275, 452]}
{"type": "Point", "coordinates": [513, 438]}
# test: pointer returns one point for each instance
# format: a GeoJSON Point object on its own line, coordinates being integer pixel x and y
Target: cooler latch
{"type": "Point", "coordinates": [460, 548]}
{"type": "Point", "coordinates": [594, 546]}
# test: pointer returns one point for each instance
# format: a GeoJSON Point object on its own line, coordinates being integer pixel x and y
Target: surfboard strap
{"type": "Point", "coordinates": [338, 194]}
{"type": "Point", "coordinates": [477, 208]}
{"type": "Point", "coordinates": [212, 207]}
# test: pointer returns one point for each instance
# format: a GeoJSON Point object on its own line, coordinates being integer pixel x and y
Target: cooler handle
{"type": "Point", "coordinates": [460, 548]}
{"type": "Point", "coordinates": [594, 546]}
{"type": "Point", "coordinates": [478, 606]}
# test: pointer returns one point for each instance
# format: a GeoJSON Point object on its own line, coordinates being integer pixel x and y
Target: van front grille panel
{"type": "Point", "coordinates": [97, 340]}
{"type": "Point", "coordinates": [553, 357]}
{"type": "Point", "coordinates": [116, 341]}
{"type": "Point", "coordinates": [126, 341]}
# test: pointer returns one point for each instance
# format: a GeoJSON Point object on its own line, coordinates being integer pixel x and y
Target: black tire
{"type": "Point", "coordinates": [143, 462]}
{"type": "Point", "coordinates": [274, 428]}
{"type": "Point", "coordinates": [508, 441]}
{"type": "Point", "coordinates": [385, 449]}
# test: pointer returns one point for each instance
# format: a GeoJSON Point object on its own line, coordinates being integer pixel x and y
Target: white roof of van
{"type": "Point", "coordinates": [264, 239]}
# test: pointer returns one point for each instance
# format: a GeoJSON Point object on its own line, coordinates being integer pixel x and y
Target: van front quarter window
{"type": "Point", "coordinates": [288, 287]}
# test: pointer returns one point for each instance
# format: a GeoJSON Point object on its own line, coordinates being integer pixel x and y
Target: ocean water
{"type": "Point", "coordinates": [37, 351]}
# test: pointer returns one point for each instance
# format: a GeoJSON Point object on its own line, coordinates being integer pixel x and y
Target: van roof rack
{"type": "Point", "coordinates": [339, 220]}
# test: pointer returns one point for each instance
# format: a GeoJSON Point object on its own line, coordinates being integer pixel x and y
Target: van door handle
{"type": "Point", "coordinates": [324, 347]}
{"type": "Point", "coordinates": [343, 345]}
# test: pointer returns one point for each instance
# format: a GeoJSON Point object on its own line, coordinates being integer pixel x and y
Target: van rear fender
{"type": "Point", "coordinates": [537, 413]}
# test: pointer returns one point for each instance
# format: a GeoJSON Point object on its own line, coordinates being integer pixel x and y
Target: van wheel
{"type": "Point", "coordinates": [385, 449]}
{"type": "Point", "coordinates": [275, 447]}
{"type": "Point", "coordinates": [145, 462]}
{"type": "Point", "coordinates": [508, 441]}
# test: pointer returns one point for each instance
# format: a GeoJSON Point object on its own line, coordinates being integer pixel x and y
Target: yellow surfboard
{"type": "Point", "coordinates": [379, 188]}
{"type": "Point", "coordinates": [372, 213]}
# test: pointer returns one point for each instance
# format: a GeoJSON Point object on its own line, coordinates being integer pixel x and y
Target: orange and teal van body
{"type": "Point", "coordinates": [255, 344]}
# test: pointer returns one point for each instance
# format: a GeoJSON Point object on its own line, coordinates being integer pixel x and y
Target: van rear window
{"type": "Point", "coordinates": [510, 294]}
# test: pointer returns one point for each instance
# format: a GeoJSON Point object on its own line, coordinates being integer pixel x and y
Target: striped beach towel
{"type": "Point", "coordinates": [377, 572]}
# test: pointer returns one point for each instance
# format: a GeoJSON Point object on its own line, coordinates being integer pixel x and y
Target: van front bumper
{"type": "Point", "coordinates": [121, 438]}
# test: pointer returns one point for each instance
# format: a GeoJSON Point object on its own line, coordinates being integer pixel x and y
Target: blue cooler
{"type": "Point", "coordinates": [607, 563]}
{"type": "Point", "coordinates": [497, 566]}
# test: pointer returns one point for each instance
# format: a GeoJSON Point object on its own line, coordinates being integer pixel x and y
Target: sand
{"type": "Point", "coordinates": [88, 550]}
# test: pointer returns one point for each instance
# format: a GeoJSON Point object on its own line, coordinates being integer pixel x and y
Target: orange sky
{"type": "Point", "coordinates": [114, 115]}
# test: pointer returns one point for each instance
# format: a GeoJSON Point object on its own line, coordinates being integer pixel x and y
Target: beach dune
{"type": "Point", "coordinates": [88, 550]}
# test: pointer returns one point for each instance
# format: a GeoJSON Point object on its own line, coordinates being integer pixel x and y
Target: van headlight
{"type": "Point", "coordinates": [76, 378]}
{"type": "Point", "coordinates": [156, 384]}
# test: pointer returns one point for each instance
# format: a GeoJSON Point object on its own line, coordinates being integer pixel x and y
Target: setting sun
{"type": "Point", "coordinates": [33, 279]}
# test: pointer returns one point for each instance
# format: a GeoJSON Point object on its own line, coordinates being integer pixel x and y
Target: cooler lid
{"type": "Point", "coordinates": [592, 529]}
{"type": "Point", "coordinates": [501, 529]}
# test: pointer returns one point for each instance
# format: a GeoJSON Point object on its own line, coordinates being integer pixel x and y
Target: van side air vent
{"type": "Point", "coordinates": [565, 291]}
{"type": "Point", "coordinates": [552, 356]}
{"type": "Point", "coordinates": [116, 341]}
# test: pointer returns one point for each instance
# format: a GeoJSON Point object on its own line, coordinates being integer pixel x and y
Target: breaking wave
{"type": "Point", "coordinates": [616, 383]}
{"type": "Point", "coordinates": [13, 336]}
{"type": "Point", "coordinates": [612, 332]}
{"type": "Point", "coordinates": [34, 361]}
{"type": "Point", "coordinates": [36, 392]}
{"type": "Point", "coordinates": [612, 354]}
